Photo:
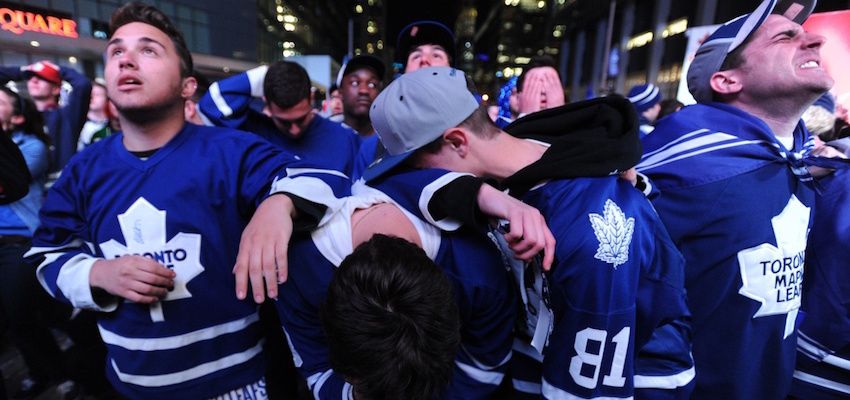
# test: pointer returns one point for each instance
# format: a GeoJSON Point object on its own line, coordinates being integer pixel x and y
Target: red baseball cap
{"type": "Point", "coordinates": [44, 70]}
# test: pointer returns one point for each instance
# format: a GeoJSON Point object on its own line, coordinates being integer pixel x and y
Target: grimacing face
{"type": "Point", "coordinates": [782, 59]}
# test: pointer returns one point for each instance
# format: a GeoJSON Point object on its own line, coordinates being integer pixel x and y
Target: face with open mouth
{"type": "Point", "coordinates": [427, 55]}
{"type": "Point", "coordinates": [142, 70]}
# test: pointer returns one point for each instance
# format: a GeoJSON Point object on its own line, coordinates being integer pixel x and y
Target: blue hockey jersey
{"type": "Point", "coordinates": [370, 149]}
{"type": "Point", "coordinates": [616, 280]}
{"type": "Point", "coordinates": [185, 206]}
{"type": "Point", "coordinates": [324, 142]}
{"type": "Point", "coordinates": [616, 290]}
{"type": "Point", "coordinates": [736, 203]}
{"type": "Point", "coordinates": [823, 343]}
{"type": "Point", "coordinates": [471, 261]}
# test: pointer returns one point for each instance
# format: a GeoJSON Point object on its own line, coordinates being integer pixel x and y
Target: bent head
{"type": "Point", "coordinates": [391, 321]}
{"type": "Point", "coordinates": [288, 96]}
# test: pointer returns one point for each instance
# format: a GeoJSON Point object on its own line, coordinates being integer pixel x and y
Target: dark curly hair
{"type": "Point", "coordinates": [286, 84]}
{"type": "Point", "coordinates": [391, 321]}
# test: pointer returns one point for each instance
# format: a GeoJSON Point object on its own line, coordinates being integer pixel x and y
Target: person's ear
{"type": "Point", "coordinates": [726, 82]}
{"type": "Point", "coordinates": [457, 140]}
{"type": "Point", "coordinates": [189, 109]}
{"type": "Point", "coordinates": [190, 84]}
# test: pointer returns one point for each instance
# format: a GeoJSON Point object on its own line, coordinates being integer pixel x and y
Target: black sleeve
{"type": "Point", "coordinates": [309, 213]}
{"type": "Point", "coordinates": [14, 173]}
{"type": "Point", "coordinates": [458, 200]}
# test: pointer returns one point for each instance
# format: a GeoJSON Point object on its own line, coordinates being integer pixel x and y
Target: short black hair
{"type": "Point", "coordinates": [479, 123]}
{"type": "Point", "coordinates": [140, 12]}
{"type": "Point", "coordinates": [391, 321]}
{"type": "Point", "coordinates": [733, 60]}
{"type": "Point", "coordinates": [535, 62]}
{"type": "Point", "coordinates": [286, 84]}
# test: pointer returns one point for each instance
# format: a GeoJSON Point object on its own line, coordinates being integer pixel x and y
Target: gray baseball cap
{"type": "Point", "coordinates": [416, 109]}
{"type": "Point", "coordinates": [712, 53]}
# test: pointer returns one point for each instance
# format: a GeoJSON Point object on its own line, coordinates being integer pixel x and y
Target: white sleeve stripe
{"type": "Point", "coordinates": [839, 362]}
{"type": "Point", "coordinates": [73, 281]}
{"type": "Point", "coordinates": [293, 172]}
{"type": "Point", "coordinates": [220, 103]}
{"type": "Point", "coordinates": [366, 196]}
{"type": "Point", "coordinates": [312, 379]}
{"type": "Point", "coordinates": [488, 377]}
{"type": "Point", "coordinates": [316, 381]}
{"type": "Point", "coordinates": [191, 373]}
{"type": "Point", "coordinates": [553, 393]}
{"type": "Point", "coordinates": [178, 341]}
{"type": "Point", "coordinates": [310, 189]}
{"type": "Point", "coordinates": [822, 382]}
{"type": "Point", "coordinates": [296, 358]}
{"type": "Point", "coordinates": [39, 274]}
{"type": "Point", "coordinates": [347, 391]}
{"type": "Point", "coordinates": [811, 348]}
{"type": "Point", "coordinates": [480, 365]}
{"type": "Point", "coordinates": [446, 224]}
{"type": "Point", "coordinates": [665, 382]}
{"type": "Point", "coordinates": [526, 386]}
{"type": "Point", "coordinates": [73, 277]}
{"type": "Point", "coordinates": [204, 118]}
{"type": "Point", "coordinates": [524, 348]}
{"type": "Point", "coordinates": [256, 77]}
{"type": "Point", "coordinates": [74, 244]}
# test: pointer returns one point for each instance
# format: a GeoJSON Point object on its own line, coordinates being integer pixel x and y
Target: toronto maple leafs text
{"type": "Point", "coordinates": [788, 274]}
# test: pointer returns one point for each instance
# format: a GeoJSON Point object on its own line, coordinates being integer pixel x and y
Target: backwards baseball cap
{"type": "Point", "coordinates": [643, 97]}
{"type": "Point", "coordinates": [416, 109]}
{"type": "Point", "coordinates": [425, 32]}
{"type": "Point", "coordinates": [361, 61]}
{"type": "Point", "coordinates": [712, 53]}
{"type": "Point", "coordinates": [44, 70]}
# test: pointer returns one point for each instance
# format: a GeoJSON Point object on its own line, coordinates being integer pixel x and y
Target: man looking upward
{"type": "Point", "coordinates": [737, 192]}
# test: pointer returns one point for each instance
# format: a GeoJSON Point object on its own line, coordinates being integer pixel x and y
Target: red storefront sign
{"type": "Point", "coordinates": [18, 22]}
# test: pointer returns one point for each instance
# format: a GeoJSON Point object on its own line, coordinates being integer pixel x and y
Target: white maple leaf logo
{"type": "Point", "coordinates": [614, 232]}
{"type": "Point", "coordinates": [773, 275]}
{"type": "Point", "coordinates": [143, 227]}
